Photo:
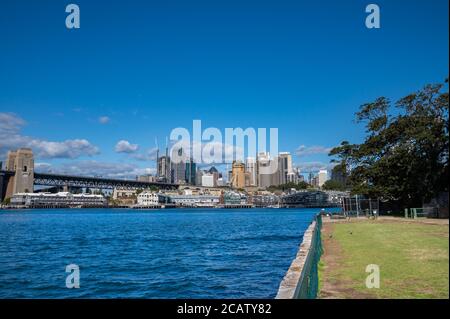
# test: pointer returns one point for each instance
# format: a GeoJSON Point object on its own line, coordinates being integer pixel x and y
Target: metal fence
{"type": "Point", "coordinates": [425, 212]}
{"type": "Point", "coordinates": [357, 206]}
{"type": "Point", "coordinates": [308, 285]}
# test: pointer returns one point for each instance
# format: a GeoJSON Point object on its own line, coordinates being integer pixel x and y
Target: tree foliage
{"type": "Point", "coordinates": [404, 156]}
{"type": "Point", "coordinates": [290, 185]}
{"type": "Point", "coordinates": [331, 185]}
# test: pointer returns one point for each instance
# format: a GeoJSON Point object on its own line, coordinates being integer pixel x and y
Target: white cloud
{"type": "Point", "coordinates": [149, 155]}
{"type": "Point", "coordinates": [313, 166]}
{"type": "Point", "coordinates": [104, 119]}
{"type": "Point", "coordinates": [124, 146]}
{"type": "Point", "coordinates": [11, 138]}
{"type": "Point", "coordinates": [303, 150]}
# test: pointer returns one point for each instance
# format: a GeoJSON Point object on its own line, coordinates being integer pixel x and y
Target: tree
{"type": "Point", "coordinates": [332, 185]}
{"type": "Point", "coordinates": [283, 187]}
{"type": "Point", "coordinates": [404, 157]}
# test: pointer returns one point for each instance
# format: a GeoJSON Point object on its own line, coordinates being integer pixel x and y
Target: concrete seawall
{"type": "Point", "coordinates": [290, 284]}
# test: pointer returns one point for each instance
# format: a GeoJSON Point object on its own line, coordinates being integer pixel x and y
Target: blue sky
{"type": "Point", "coordinates": [147, 67]}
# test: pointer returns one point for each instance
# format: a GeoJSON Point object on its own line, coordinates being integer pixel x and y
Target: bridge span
{"type": "Point", "coordinates": [58, 180]}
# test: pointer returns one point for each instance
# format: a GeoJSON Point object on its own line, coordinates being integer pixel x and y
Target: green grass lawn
{"type": "Point", "coordinates": [413, 259]}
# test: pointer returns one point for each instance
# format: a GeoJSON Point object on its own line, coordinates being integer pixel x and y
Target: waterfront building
{"type": "Point", "coordinates": [322, 177]}
{"type": "Point", "coordinates": [307, 199]}
{"type": "Point", "coordinates": [203, 200]}
{"type": "Point", "coordinates": [61, 200]}
{"type": "Point", "coordinates": [238, 175]}
{"type": "Point", "coordinates": [265, 200]}
{"type": "Point", "coordinates": [119, 192]}
{"type": "Point", "coordinates": [234, 198]}
{"type": "Point", "coordinates": [147, 198]}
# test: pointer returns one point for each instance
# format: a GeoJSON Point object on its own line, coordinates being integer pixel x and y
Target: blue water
{"type": "Point", "coordinates": [201, 253]}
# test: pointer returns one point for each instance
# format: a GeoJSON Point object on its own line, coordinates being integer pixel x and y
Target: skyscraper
{"type": "Point", "coordinates": [178, 166]}
{"type": "Point", "coordinates": [190, 172]}
{"type": "Point", "coordinates": [284, 168]}
{"type": "Point", "coordinates": [252, 170]}
{"type": "Point", "coordinates": [263, 163]}
{"type": "Point", "coordinates": [322, 177]}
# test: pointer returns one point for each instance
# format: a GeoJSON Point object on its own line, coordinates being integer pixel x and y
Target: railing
{"type": "Point", "coordinates": [426, 212]}
{"type": "Point", "coordinates": [302, 279]}
{"type": "Point", "coordinates": [308, 285]}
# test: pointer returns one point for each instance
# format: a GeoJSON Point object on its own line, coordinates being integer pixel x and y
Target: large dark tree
{"type": "Point", "coordinates": [404, 157]}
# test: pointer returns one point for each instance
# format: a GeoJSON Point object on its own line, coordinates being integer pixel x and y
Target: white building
{"type": "Point", "coordinates": [147, 198]}
{"type": "Point", "coordinates": [123, 193]}
{"type": "Point", "coordinates": [208, 180]}
{"type": "Point", "coordinates": [322, 177]}
{"type": "Point", "coordinates": [195, 200]}
{"type": "Point", "coordinates": [61, 199]}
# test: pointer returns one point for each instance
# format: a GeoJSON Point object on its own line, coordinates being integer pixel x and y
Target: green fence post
{"type": "Point", "coordinates": [415, 213]}
{"type": "Point", "coordinates": [406, 212]}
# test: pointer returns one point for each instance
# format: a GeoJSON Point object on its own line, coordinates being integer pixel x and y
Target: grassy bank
{"type": "Point", "coordinates": [413, 259]}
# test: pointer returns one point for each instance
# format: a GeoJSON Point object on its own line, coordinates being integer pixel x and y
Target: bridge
{"type": "Point", "coordinates": [57, 180]}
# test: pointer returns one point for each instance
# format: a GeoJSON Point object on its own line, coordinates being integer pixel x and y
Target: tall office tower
{"type": "Point", "coordinates": [157, 162]}
{"type": "Point", "coordinates": [322, 177]}
{"type": "Point", "coordinates": [284, 168]}
{"type": "Point", "coordinates": [22, 162]}
{"type": "Point", "coordinates": [178, 165]}
{"type": "Point", "coordinates": [294, 177]}
{"type": "Point", "coordinates": [198, 177]}
{"type": "Point", "coordinates": [310, 178]}
{"type": "Point", "coordinates": [252, 170]}
{"type": "Point", "coordinates": [190, 172]}
{"type": "Point", "coordinates": [164, 170]}
{"type": "Point", "coordinates": [265, 176]}
{"type": "Point", "coordinates": [238, 175]}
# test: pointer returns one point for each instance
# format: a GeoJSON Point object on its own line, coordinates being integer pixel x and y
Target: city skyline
{"type": "Point", "coordinates": [92, 101]}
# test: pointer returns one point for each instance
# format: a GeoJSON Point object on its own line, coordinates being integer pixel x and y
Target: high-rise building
{"type": "Point", "coordinates": [178, 166]}
{"type": "Point", "coordinates": [284, 169]}
{"type": "Point", "coordinates": [190, 172]}
{"type": "Point", "coordinates": [198, 177]}
{"type": "Point", "coordinates": [322, 177]}
{"type": "Point", "coordinates": [251, 168]}
{"type": "Point", "coordinates": [265, 175]}
{"type": "Point", "coordinates": [238, 174]}
{"type": "Point", "coordinates": [163, 169]}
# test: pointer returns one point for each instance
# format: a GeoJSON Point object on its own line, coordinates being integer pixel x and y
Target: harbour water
{"type": "Point", "coordinates": [177, 253]}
